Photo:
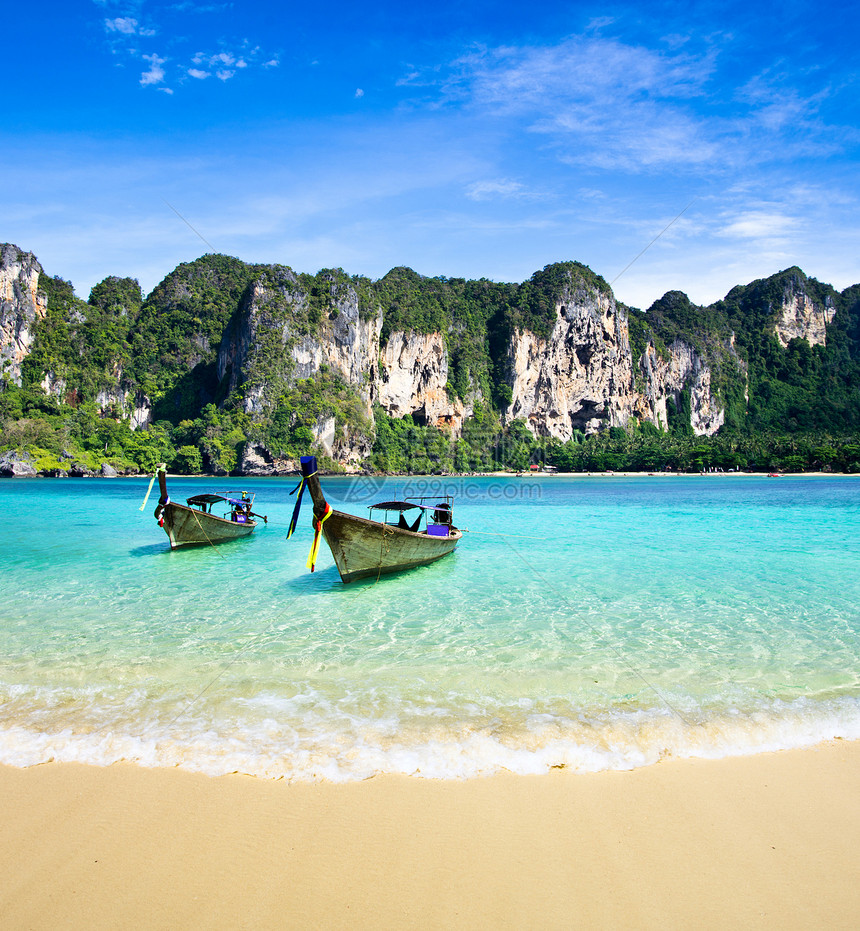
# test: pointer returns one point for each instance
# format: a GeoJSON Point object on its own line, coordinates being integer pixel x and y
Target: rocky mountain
{"type": "Point", "coordinates": [294, 360]}
{"type": "Point", "coordinates": [22, 306]}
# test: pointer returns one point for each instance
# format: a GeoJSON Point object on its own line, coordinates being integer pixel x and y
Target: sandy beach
{"type": "Point", "coordinates": [766, 841]}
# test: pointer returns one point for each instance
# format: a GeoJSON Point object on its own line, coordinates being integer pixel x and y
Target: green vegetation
{"type": "Point", "coordinates": [536, 305]}
{"type": "Point", "coordinates": [92, 363]}
{"type": "Point", "coordinates": [326, 398]}
{"type": "Point", "coordinates": [647, 452]}
{"type": "Point", "coordinates": [174, 341]}
{"type": "Point", "coordinates": [801, 388]}
{"type": "Point", "coordinates": [403, 447]}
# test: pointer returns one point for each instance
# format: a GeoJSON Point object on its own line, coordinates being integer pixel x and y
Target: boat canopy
{"type": "Point", "coordinates": [395, 506]}
{"type": "Point", "coordinates": [214, 499]}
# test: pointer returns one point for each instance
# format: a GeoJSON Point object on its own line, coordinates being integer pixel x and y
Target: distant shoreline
{"type": "Point", "coordinates": [441, 475]}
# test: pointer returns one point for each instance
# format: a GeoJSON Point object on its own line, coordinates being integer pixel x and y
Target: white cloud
{"type": "Point", "coordinates": [223, 63]}
{"type": "Point", "coordinates": [482, 190]}
{"type": "Point", "coordinates": [123, 24]}
{"type": "Point", "coordinates": [359, 93]}
{"type": "Point", "coordinates": [644, 136]}
{"type": "Point", "coordinates": [155, 75]}
{"type": "Point", "coordinates": [413, 77]}
{"type": "Point", "coordinates": [600, 22]}
{"type": "Point", "coordinates": [580, 72]}
{"type": "Point", "coordinates": [602, 102]}
{"type": "Point", "coordinates": [128, 26]}
{"type": "Point", "coordinates": [760, 224]}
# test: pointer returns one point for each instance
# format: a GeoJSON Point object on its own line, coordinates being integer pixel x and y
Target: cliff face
{"type": "Point", "coordinates": [275, 339]}
{"type": "Point", "coordinates": [412, 379]}
{"type": "Point", "coordinates": [581, 378]}
{"type": "Point", "coordinates": [800, 317]}
{"type": "Point", "coordinates": [270, 343]}
{"type": "Point", "coordinates": [667, 378]}
{"type": "Point", "coordinates": [21, 305]}
{"type": "Point", "coordinates": [131, 401]}
{"type": "Point", "coordinates": [257, 341]}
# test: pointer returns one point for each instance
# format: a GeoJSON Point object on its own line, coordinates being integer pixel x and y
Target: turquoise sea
{"type": "Point", "coordinates": [592, 623]}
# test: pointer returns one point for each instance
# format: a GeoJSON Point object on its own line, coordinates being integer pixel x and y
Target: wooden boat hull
{"type": "Point", "coordinates": [184, 526]}
{"type": "Point", "coordinates": [367, 548]}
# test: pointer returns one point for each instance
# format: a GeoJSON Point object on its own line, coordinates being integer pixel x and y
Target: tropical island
{"type": "Point", "coordinates": [228, 367]}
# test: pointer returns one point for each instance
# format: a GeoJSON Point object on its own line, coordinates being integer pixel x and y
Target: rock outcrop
{"type": "Point", "coordinates": [413, 375]}
{"type": "Point", "coordinates": [21, 305]}
{"type": "Point", "coordinates": [274, 340]}
{"type": "Point", "coordinates": [133, 403]}
{"type": "Point", "coordinates": [578, 378]}
{"type": "Point", "coordinates": [581, 377]}
{"type": "Point", "coordinates": [14, 464]}
{"type": "Point", "coordinates": [667, 378]}
{"type": "Point", "coordinates": [270, 343]}
{"type": "Point", "coordinates": [255, 459]}
{"type": "Point", "coordinates": [584, 376]}
{"type": "Point", "coordinates": [800, 317]}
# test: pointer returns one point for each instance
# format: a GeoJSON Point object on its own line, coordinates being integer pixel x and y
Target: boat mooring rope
{"type": "Point", "coordinates": [208, 540]}
{"type": "Point", "coordinates": [148, 490]}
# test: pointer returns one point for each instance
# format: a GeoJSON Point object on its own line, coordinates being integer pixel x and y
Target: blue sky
{"type": "Point", "coordinates": [466, 139]}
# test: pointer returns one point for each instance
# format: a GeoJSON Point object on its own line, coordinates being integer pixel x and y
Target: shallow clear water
{"type": "Point", "coordinates": [588, 622]}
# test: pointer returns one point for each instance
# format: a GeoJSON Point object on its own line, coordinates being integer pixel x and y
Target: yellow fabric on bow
{"type": "Point", "coordinates": [312, 556]}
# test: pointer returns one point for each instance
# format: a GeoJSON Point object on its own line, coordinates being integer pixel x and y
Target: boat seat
{"type": "Point", "coordinates": [403, 524]}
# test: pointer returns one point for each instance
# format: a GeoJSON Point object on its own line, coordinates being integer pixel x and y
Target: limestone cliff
{"type": "Point", "coordinates": [801, 317]}
{"type": "Point", "coordinates": [413, 378]}
{"type": "Point", "coordinates": [666, 378]}
{"type": "Point", "coordinates": [581, 377]}
{"type": "Point", "coordinates": [254, 354]}
{"type": "Point", "coordinates": [132, 402]}
{"type": "Point", "coordinates": [584, 376]}
{"type": "Point", "coordinates": [281, 334]}
{"type": "Point", "coordinates": [21, 305]}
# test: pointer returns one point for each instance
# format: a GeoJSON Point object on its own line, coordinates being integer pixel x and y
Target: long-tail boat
{"type": "Point", "coordinates": [194, 522]}
{"type": "Point", "coordinates": [365, 548]}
